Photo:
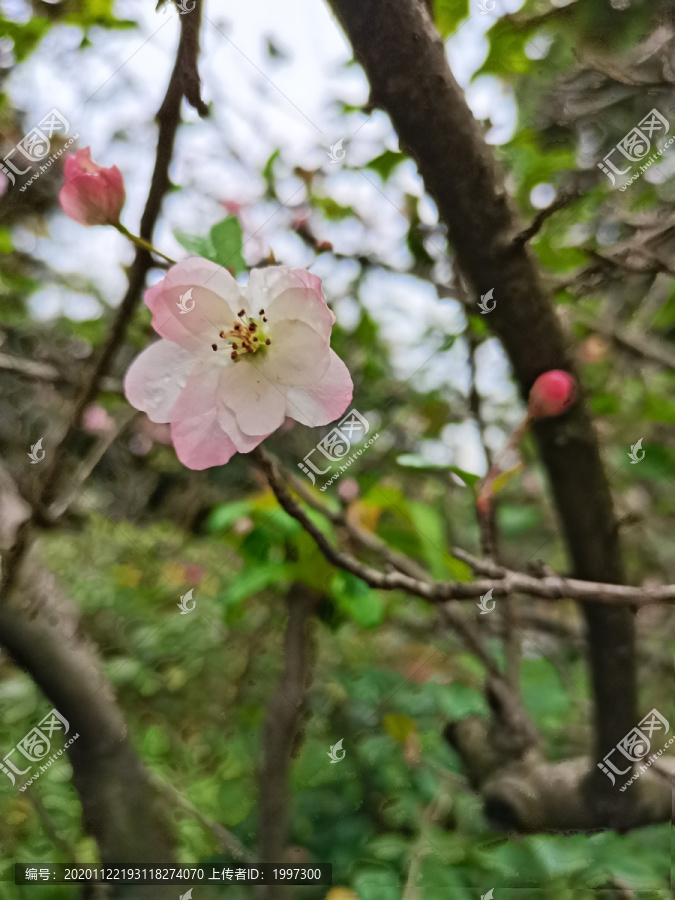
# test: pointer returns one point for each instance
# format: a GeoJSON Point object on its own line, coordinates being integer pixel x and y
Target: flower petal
{"type": "Point", "coordinates": [296, 356]}
{"type": "Point", "coordinates": [286, 293]}
{"type": "Point", "coordinates": [325, 401]}
{"type": "Point", "coordinates": [257, 403]}
{"type": "Point", "coordinates": [92, 194]}
{"type": "Point", "coordinates": [203, 394]}
{"type": "Point", "coordinates": [210, 295]}
{"type": "Point", "coordinates": [200, 442]}
{"type": "Point", "coordinates": [243, 442]}
{"type": "Point", "coordinates": [156, 377]}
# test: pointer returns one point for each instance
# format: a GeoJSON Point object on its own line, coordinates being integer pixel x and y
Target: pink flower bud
{"type": "Point", "coordinates": [552, 394]}
{"type": "Point", "coordinates": [92, 195]}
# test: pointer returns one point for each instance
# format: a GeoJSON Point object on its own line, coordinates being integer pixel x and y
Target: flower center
{"type": "Point", "coordinates": [247, 335]}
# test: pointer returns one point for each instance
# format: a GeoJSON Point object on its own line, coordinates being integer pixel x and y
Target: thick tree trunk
{"type": "Point", "coordinates": [39, 628]}
{"type": "Point", "coordinates": [404, 59]}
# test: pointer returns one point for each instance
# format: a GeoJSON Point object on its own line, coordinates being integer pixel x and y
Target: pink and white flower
{"type": "Point", "coordinates": [231, 370]}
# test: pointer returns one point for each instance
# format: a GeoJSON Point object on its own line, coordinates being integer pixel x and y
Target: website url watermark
{"type": "Point", "coordinates": [35, 146]}
{"type": "Point", "coordinates": [45, 166]}
{"type": "Point", "coordinates": [349, 461]}
{"type": "Point", "coordinates": [335, 446]}
{"type": "Point", "coordinates": [48, 763]}
{"type": "Point", "coordinates": [647, 765]}
{"type": "Point", "coordinates": [35, 746]}
{"type": "Point", "coordinates": [634, 147]}
{"type": "Point", "coordinates": [635, 746]}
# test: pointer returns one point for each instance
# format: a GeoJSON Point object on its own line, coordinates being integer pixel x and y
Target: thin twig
{"type": "Point", "coordinates": [89, 463]}
{"type": "Point", "coordinates": [48, 373]}
{"type": "Point", "coordinates": [227, 841]}
{"type": "Point", "coordinates": [503, 583]}
{"type": "Point", "coordinates": [169, 119]}
{"type": "Point", "coordinates": [565, 198]}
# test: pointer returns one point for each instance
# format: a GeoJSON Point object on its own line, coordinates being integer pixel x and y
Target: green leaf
{"type": "Point", "coordinates": [658, 464]}
{"type": "Point", "coordinates": [225, 515]}
{"type": "Point", "coordinates": [448, 14]}
{"type": "Point", "coordinates": [515, 520]}
{"type": "Point", "coordinates": [385, 163]}
{"type": "Point", "coordinates": [415, 461]}
{"type": "Point", "coordinates": [236, 759]}
{"type": "Point", "coordinates": [433, 543]}
{"type": "Point", "coordinates": [458, 701]}
{"type": "Point", "coordinates": [312, 567]}
{"type": "Point", "coordinates": [268, 173]}
{"type": "Point", "coordinates": [542, 689]}
{"type": "Point", "coordinates": [606, 404]}
{"type": "Point", "coordinates": [665, 315]}
{"type": "Point", "coordinates": [467, 477]}
{"type": "Point", "coordinates": [504, 478]}
{"type": "Point", "coordinates": [223, 245]}
{"type": "Point", "coordinates": [355, 598]}
{"type": "Point", "coordinates": [236, 799]}
{"type": "Point", "coordinates": [255, 580]}
{"type": "Point", "coordinates": [227, 241]}
{"type": "Point", "coordinates": [658, 409]}
{"type": "Point", "coordinates": [388, 847]}
{"type": "Point", "coordinates": [398, 726]}
{"type": "Point", "coordinates": [198, 245]}
{"type": "Point", "coordinates": [377, 884]}
{"type": "Point", "coordinates": [25, 36]}
{"type": "Point", "coordinates": [313, 766]}
{"type": "Point", "coordinates": [507, 57]}
{"type": "Point", "coordinates": [6, 242]}
{"type": "Point", "coordinates": [331, 208]}
{"type": "Point", "coordinates": [155, 742]}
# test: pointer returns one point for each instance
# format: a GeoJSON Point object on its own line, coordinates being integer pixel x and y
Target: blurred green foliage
{"type": "Point", "coordinates": [194, 688]}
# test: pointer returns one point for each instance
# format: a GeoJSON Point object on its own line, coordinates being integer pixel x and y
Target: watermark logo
{"type": "Point", "coordinates": [183, 302]}
{"type": "Point", "coordinates": [336, 152]}
{"type": "Point", "coordinates": [336, 445]}
{"type": "Point", "coordinates": [184, 7]}
{"type": "Point", "coordinates": [635, 147]}
{"type": "Point", "coordinates": [484, 304]}
{"type": "Point", "coordinates": [187, 895]}
{"type": "Point", "coordinates": [487, 896]}
{"type": "Point", "coordinates": [484, 601]}
{"type": "Point", "coordinates": [37, 454]}
{"type": "Point", "coordinates": [485, 8]}
{"type": "Point", "coordinates": [183, 606]}
{"type": "Point", "coordinates": [335, 750]}
{"type": "Point", "coordinates": [637, 454]}
{"type": "Point", "coordinates": [636, 745]}
{"type": "Point", "coordinates": [35, 746]}
{"type": "Point", "coordinates": [35, 146]}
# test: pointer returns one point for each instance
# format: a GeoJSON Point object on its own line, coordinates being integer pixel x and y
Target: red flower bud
{"type": "Point", "coordinates": [91, 195]}
{"type": "Point", "coordinates": [552, 394]}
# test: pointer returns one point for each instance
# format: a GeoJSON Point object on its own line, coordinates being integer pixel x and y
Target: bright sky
{"type": "Point", "coordinates": [110, 92]}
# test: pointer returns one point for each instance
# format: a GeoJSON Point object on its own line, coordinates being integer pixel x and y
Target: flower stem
{"type": "Point", "coordinates": [140, 242]}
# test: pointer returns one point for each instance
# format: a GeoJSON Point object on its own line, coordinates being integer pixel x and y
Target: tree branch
{"type": "Point", "coordinates": [43, 636]}
{"type": "Point", "coordinates": [532, 796]}
{"type": "Point", "coordinates": [227, 841]}
{"type": "Point", "coordinates": [503, 582]}
{"type": "Point", "coordinates": [282, 732]}
{"type": "Point", "coordinates": [405, 62]}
